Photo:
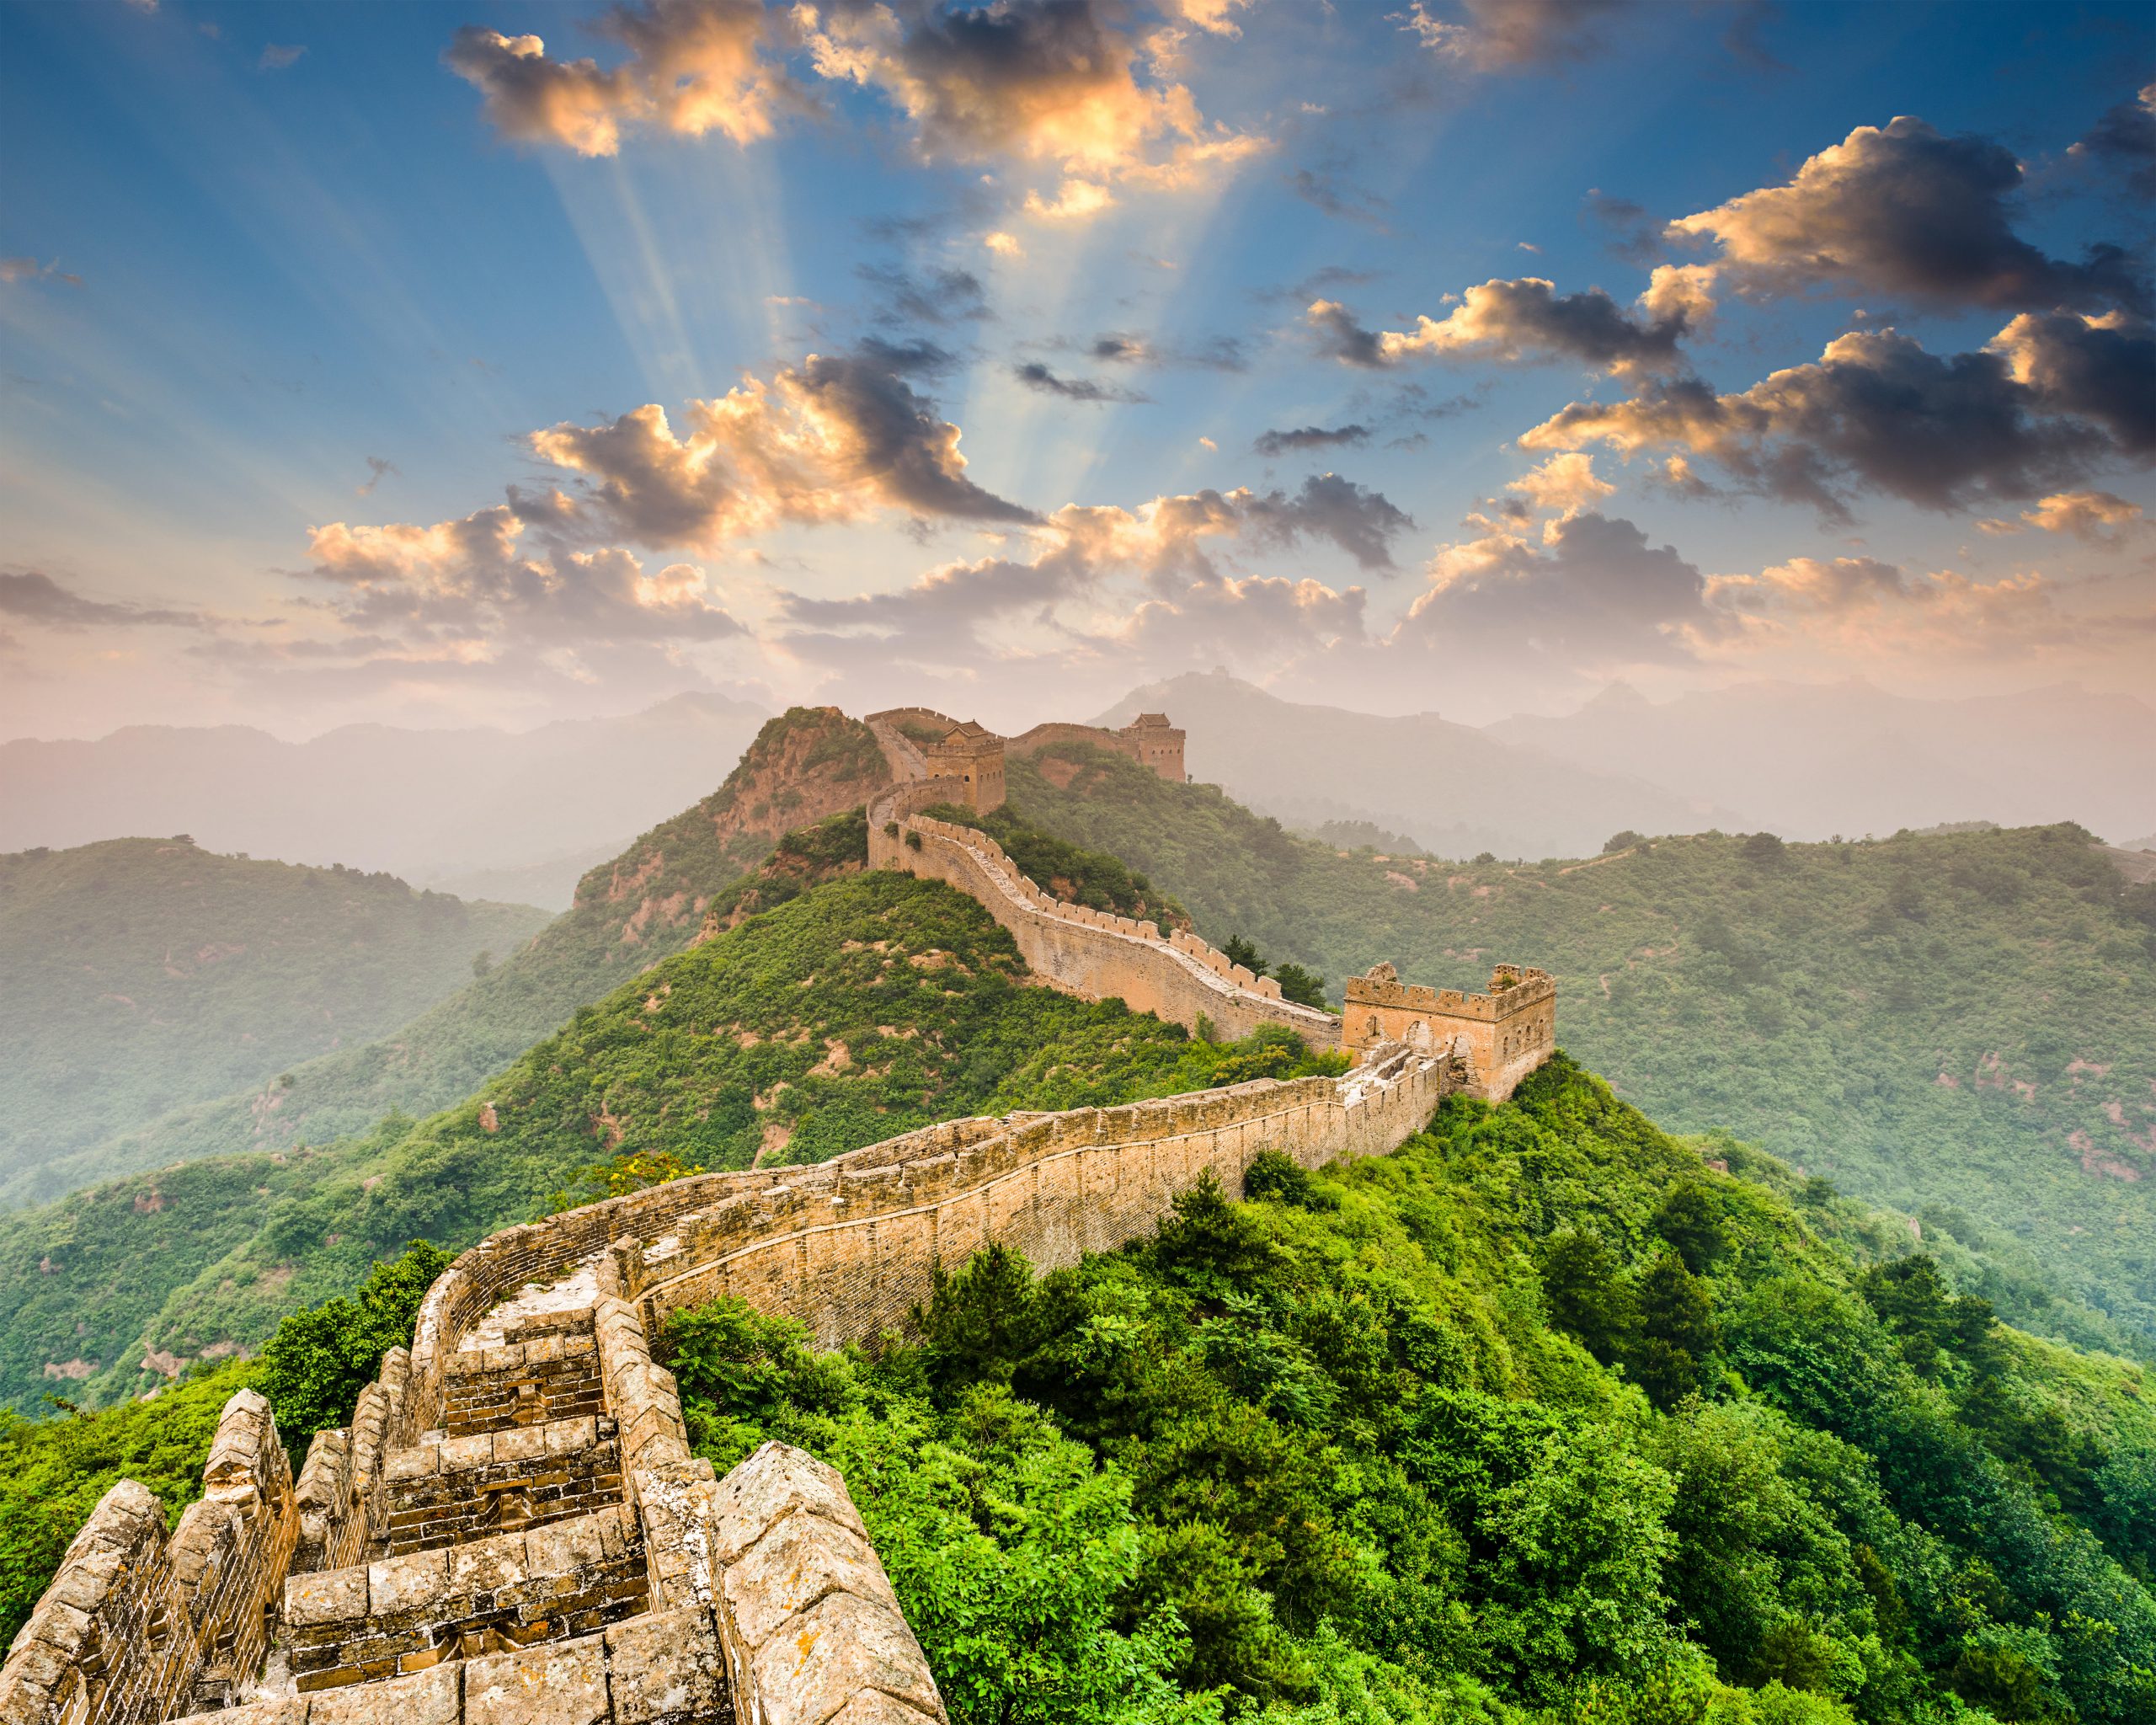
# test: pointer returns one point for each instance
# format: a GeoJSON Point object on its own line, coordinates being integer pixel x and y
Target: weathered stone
{"type": "Point", "coordinates": [406, 1586]}
{"type": "Point", "coordinates": [426, 1698]}
{"type": "Point", "coordinates": [563, 1684]}
{"type": "Point", "coordinates": [793, 1566]}
{"type": "Point", "coordinates": [328, 1596]}
{"type": "Point", "coordinates": [834, 1651]}
{"type": "Point", "coordinates": [666, 1669]}
{"type": "Point", "coordinates": [778, 1480]}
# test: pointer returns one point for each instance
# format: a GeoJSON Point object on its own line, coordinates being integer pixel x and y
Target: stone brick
{"type": "Point", "coordinates": [666, 1669]}
{"type": "Point", "coordinates": [562, 1683]}
{"type": "Point", "coordinates": [425, 1698]}
{"type": "Point", "coordinates": [839, 1647]}
{"type": "Point", "coordinates": [778, 1480]}
{"type": "Point", "coordinates": [402, 1586]}
{"type": "Point", "coordinates": [794, 1565]}
{"type": "Point", "coordinates": [327, 1596]}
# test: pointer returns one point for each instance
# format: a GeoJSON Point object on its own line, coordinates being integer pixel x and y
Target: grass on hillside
{"type": "Point", "coordinates": [1957, 1025]}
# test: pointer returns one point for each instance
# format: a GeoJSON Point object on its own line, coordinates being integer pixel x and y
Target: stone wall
{"type": "Point", "coordinates": [138, 1627]}
{"type": "Point", "coordinates": [1093, 954]}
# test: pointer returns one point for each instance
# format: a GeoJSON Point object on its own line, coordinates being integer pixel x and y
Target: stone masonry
{"type": "Point", "coordinates": [512, 1530]}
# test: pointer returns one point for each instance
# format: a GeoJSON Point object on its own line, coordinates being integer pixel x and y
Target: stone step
{"type": "Point", "coordinates": [447, 1491]}
{"type": "Point", "coordinates": [406, 1613]}
{"type": "Point", "coordinates": [550, 1376]}
{"type": "Point", "coordinates": [663, 1670]}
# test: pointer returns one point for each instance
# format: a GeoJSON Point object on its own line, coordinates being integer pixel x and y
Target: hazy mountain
{"type": "Point", "coordinates": [429, 806]}
{"type": "Point", "coordinates": [1811, 759]}
{"type": "Point", "coordinates": [1450, 787]}
{"type": "Point", "coordinates": [143, 975]}
{"type": "Point", "coordinates": [647, 901]}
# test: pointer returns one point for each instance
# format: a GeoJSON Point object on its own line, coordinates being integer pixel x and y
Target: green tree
{"type": "Point", "coordinates": [314, 1367]}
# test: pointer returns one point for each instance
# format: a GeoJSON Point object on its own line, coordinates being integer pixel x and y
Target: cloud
{"type": "Point", "coordinates": [1593, 594]}
{"type": "Point", "coordinates": [944, 298]}
{"type": "Point", "coordinates": [2102, 368]}
{"type": "Point", "coordinates": [1036, 376]}
{"type": "Point", "coordinates": [1004, 245]}
{"type": "Point", "coordinates": [1810, 584]}
{"type": "Point", "coordinates": [1215, 16]}
{"type": "Point", "coordinates": [693, 68]}
{"type": "Point", "coordinates": [467, 585]}
{"type": "Point", "coordinates": [1633, 234]}
{"type": "Point", "coordinates": [14, 269]}
{"type": "Point", "coordinates": [1877, 412]}
{"type": "Point", "coordinates": [34, 597]}
{"type": "Point", "coordinates": [377, 470]}
{"type": "Point", "coordinates": [1270, 444]}
{"type": "Point", "coordinates": [2126, 138]}
{"type": "Point", "coordinates": [1501, 35]}
{"type": "Point", "coordinates": [1219, 353]}
{"type": "Point", "coordinates": [1564, 483]}
{"type": "Point", "coordinates": [907, 359]}
{"type": "Point", "coordinates": [2098, 517]}
{"type": "Point", "coordinates": [1326, 192]}
{"type": "Point", "coordinates": [276, 57]}
{"type": "Point", "coordinates": [833, 439]}
{"type": "Point", "coordinates": [1527, 321]}
{"type": "Point", "coordinates": [1342, 338]}
{"type": "Point", "coordinates": [1049, 82]}
{"type": "Point", "coordinates": [1903, 209]}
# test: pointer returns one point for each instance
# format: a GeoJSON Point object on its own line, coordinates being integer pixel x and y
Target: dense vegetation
{"type": "Point", "coordinates": [1094, 879]}
{"type": "Point", "coordinates": [648, 902]}
{"type": "Point", "coordinates": [1955, 1024]}
{"type": "Point", "coordinates": [144, 974]}
{"type": "Point", "coordinates": [863, 1008]}
{"type": "Point", "coordinates": [1534, 1418]}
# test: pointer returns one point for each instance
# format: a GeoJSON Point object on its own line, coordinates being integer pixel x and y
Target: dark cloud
{"type": "Point", "coordinates": [1219, 353]}
{"type": "Point", "coordinates": [2125, 138]}
{"type": "Point", "coordinates": [1340, 337]}
{"type": "Point", "coordinates": [378, 469]}
{"type": "Point", "coordinates": [1528, 321]}
{"type": "Point", "coordinates": [1324, 191]}
{"type": "Point", "coordinates": [2101, 369]}
{"type": "Point", "coordinates": [1876, 412]}
{"type": "Point", "coordinates": [1499, 36]}
{"type": "Point", "coordinates": [1036, 376]}
{"type": "Point", "coordinates": [908, 358]}
{"type": "Point", "coordinates": [1632, 233]}
{"type": "Point", "coordinates": [36, 597]}
{"type": "Point", "coordinates": [943, 297]}
{"type": "Point", "coordinates": [1361, 522]}
{"type": "Point", "coordinates": [1904, 210]}
{"type": "Point", "coordinates": [1270, 444]}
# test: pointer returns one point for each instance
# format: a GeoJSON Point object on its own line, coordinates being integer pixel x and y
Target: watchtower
{"type": "Point", "coordinates": [1157, 744]}
{"type": "Point", "coordinates": [1509, 1031]}
{"type": "Point", "coordinates": [973, 754]}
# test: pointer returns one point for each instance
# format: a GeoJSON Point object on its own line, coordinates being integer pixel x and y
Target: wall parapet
{"type": "Point", "coordinates": [136, 1626]}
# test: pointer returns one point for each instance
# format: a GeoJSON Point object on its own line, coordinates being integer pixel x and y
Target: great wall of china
{"type": "Point", "coordinates": [513, 1531]}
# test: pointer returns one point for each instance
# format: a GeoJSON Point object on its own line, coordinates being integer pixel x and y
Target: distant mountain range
{"type": "Point", "coordinates": [1455, 790]}
{"type": "Point", "coordinates": [515, 815]}
{"type": "Point", "coordinates": [1808, 761]}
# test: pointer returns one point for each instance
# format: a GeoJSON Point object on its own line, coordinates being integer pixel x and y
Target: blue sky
{"type": "Point", "coordinates": [337, 339]}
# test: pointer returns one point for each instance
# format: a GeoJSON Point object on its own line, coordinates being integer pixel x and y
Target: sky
{"type": "Point", "coordinates": [439, 364]}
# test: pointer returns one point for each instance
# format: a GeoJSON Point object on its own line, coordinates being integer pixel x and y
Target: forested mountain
{"type": "Point", "coordinates": [835, 1012]}
{"type": "Point", "coordinates": [146, 974]}
{"type": "Point", "coordinates": [435, 806]}
{"type": "Point", "coordinates": [1955, 1024]}
{"type": "Point", "coordinates": [647, 902]}
{"type": "Point", "coordinates": [1452, 788]}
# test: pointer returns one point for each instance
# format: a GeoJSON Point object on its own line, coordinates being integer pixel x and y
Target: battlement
{"type": "Point", "coordinates": [1511, 1030]}
{"type": "Point", "coordinates": [918, 742]}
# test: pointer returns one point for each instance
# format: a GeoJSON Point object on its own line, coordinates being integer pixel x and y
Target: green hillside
{"type": "Point", "coordinates": [144, 973]}
{"type": "Point", "coordinates": [648, 902]}
{"type": "Point", "coordinates": [853, 1010]}
{"type": "Point", "coordinates": [1532, 1420]}
{"type": "Point", "coordinates": [1960, 1025]}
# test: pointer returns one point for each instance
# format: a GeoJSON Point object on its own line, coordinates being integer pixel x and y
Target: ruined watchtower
{"type": "Point", "coordinates": [973, 754]}
{"type": "Point", "coordinates": [1510, 1031]}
